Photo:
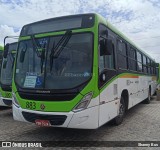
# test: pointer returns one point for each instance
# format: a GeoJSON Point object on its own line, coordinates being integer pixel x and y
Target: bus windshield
{"type": "Point", "coordinates": [1, 56]}
{"type": "Point", "coordinates": [7, 65]}
{"type": "Point", "coordinates": [41, 70]}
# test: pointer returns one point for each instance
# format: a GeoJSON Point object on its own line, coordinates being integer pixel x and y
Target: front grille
{"type": "Point", "coordinates": [54, 119]}
{"type": "Point", "coordinates": [7, 102]}
{"type": "Point", "coordinates": [8, 95]}
{"type": "Point", "coordinates": [47, 97]}
{"type": "Point", "coordinates": [6, 87]}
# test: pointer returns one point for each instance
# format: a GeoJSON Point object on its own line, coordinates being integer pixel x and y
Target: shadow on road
{"type": "Point", "coordinates": [4, 108]}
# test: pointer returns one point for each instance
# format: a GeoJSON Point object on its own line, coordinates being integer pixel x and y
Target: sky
{"type": "Point", "coordinates": [137, 19]}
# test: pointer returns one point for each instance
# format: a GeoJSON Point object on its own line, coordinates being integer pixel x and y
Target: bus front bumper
{"type": "Point", "coordinates": [5, 101]}
{"type": "Point", "coordinates": [86, 119]}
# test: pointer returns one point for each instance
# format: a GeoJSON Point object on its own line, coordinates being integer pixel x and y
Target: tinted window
{"type": "Point", "coordinates": [139, 57]}
{"type": "Point", "coordinates": [149, 65]}
{"type": "Point", "coordinates": [139, 62]}
{"type": "Point", "coordinates": [144, 60]}
{"type": "Point", "coordinates": [157, 73]}
{"type": "Point", "coordinates": [145, 70]}
{"type": "Point", "coordinates": [102, 33]}
{"type": "Point", "coordinates": [132, 59]}
{"type": "Point", "coordinates": [122, 58]}
{"type": "Point", "coordinates": [71, 68]}
{"type": "Point", "coordinates": [101, 63]}
{"type": "Point", "coordinates": [153, 67]}
{"type": "Point", "coordinates": [121, 47]}
{"type": "Point", "coordinates": [106, 61]}
{"type": "Point", "coordinates": [7, 71]}
{"type": "Point", "coordinates": [109, 61]}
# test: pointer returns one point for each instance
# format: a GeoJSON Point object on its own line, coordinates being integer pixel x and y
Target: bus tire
{"type": "Point", "coordinates": [119, 119]}
{"type": "Point", "coordinates": [148, 100]}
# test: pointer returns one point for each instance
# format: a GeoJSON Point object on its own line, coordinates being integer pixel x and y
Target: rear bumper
{"type": "Point", "coordinates": [5, 101]}
{"type": "Point", "coordinates": [86, 119]}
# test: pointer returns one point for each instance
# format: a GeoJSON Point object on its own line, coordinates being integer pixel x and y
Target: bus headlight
{"type": "Point", "coordinates": [83, 103]}
{"type": "Point", "coordinates": [15, 102]}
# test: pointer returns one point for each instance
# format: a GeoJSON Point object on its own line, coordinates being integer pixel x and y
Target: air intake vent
{"type": "Point", "coordinates": [54, 119]}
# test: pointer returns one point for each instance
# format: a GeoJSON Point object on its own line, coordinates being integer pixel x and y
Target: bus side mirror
{"type": "Point", "coordinates": [6, 49]}
{"type": "Point", "coordinates": [106, 47]}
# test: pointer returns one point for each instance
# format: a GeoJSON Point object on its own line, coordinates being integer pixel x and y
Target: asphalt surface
{"type": "Point", "coordinates": [141, 123]}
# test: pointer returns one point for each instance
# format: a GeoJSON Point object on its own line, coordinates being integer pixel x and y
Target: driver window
{"type": "Point", "coordinates": [106, 61]}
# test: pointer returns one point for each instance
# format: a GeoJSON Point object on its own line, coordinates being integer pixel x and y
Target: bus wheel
{"type": "Point", "coordinates": [148, 100]}
{"type": "Point", "coordinates": [118, 120]}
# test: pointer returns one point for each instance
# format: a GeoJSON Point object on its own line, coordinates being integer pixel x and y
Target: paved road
{"type": "Point", "coordinates": [142, 123]}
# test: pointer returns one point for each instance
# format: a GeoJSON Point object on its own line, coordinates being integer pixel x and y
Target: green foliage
{"type": "Point", "coordinates": [1, 47]}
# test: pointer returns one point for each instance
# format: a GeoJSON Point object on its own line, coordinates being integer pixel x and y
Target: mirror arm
{"type": "Point", "coordinates": [14, 37]}
{"type": "Point", "coordinates": [5, 40]}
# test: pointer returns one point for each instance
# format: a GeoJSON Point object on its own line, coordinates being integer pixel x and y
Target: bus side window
{"type": "Point", "coordinates": [101, 64]}
{"type": "Point", "coordinates": [139, 62]}
{"type": "Point", "coordinates": [132, 59]}
{"type": "Point", "coordinates": [102, 35]}
{"type": "Point", "coordinates": [122, 54]}
{"type": "Point", "coordinates": [148, 66]}
{"type": "Point", "coordinates": [145, 70]}
{"type": "Point", "coordinates": [109, 60]}
{"type": "Point", "coordinates": [105, 61]}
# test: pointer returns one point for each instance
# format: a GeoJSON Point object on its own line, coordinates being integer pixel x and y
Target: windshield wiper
{"type": "Point", "coordinates": [37, 49]}
{"type": "Point", "coordinates": [56, 50]}
{"type": "Point", "coordinates": [42, 56]}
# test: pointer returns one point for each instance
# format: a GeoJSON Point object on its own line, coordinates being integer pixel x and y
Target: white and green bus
{"type": "Point", "coordinates": [6, 74]}
{"type": "Point", "coordinates": [78, 72]}
{"type": "Point", "coordinates": [1, 54]}
{"type": "Point", "coordinates": [1, 57]}
{"type": "Point", "coordinates": [158, 76]}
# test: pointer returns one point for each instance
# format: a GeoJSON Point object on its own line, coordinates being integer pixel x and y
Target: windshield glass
{"type": "Point", "coordinates": [1, 57]}
{"type": "Point", "coordinates": [7, 65]}
{"type": "Point", "coordinates": [42, 70]}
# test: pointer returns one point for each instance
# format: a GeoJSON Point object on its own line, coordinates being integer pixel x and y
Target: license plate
{"type": "Point", "coordinates": [42, 123]}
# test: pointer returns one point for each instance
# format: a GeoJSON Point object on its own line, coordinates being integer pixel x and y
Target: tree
{"type": "Point", "coordinates": [1, 47]}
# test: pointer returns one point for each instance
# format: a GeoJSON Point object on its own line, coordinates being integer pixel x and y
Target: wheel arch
{"type": "Point", "coordinates": [125, 95]}
{"type": "Point", "coordinates": [150, 88]}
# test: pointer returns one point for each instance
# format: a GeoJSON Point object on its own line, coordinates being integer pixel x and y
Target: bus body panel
{"type": "Point", "coordinates": [109, 109]}
{"type": "Point", "coordinates": [1, 57]}
{"type": "Point", "coordinates": [109, 103]}
{"type": "Point", "coordinates": [87, 119]}
{"type": "Point", "coordinates": [137, 87]}
{"type": "Point", "coordinates": [104, 105]}
{"type": "Point", "coordinates": [6, 92]}
{"type": "Point", "coordinates": [1, 102]}
{"type": "Point", "coordinates": [5, 102]}
{"type": "Point", "coordinates": [6, 98]}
